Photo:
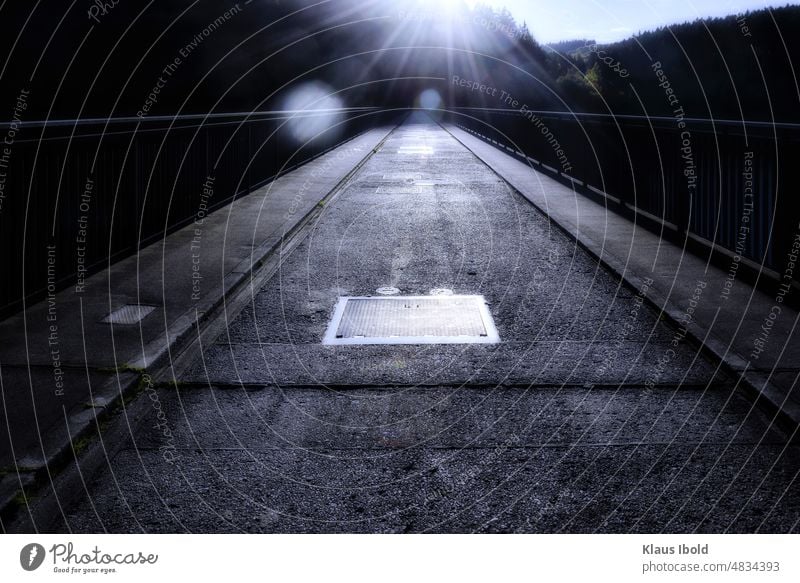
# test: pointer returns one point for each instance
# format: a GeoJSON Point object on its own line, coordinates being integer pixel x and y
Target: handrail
{"type": "Point", "coordinates": [256, 115]}
{"type": "Point", "coordinates": [135, 179]}
{"type": "Point", "coordinates": [728, 185]}
{"type": "Point", "coordinates": [287, 113]}
{"type": "Point", "coordinates": [611, 116]}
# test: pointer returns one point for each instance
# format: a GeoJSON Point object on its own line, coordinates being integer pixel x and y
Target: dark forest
{"type": "Point", "coordinates": [241, 57]}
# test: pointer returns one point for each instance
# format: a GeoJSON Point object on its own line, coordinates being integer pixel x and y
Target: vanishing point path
{"type": "Point", "coordinates": [590, 414]}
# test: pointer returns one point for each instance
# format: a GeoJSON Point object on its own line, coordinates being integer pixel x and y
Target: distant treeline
{"type": "Point", "coordinates": [741, 66]}
{"type": "Point", "coordinates": [183, 56]}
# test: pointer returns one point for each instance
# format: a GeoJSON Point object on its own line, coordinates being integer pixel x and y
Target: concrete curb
{"type": "Point", "coordinates": [766, 394]}
{"type": "Point", "coordinates": [52, 479]}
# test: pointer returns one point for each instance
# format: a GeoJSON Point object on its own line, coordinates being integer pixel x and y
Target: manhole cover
{"type": "Point", "coordinates": [411, 320]}
{"type": "Point", "coordinates": [128, 314]}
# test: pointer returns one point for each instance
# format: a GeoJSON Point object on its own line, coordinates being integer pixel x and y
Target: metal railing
{"type": "Point", "coordinates": [77, 195]}
{"type": "Point", "coordinates": [728, 187]}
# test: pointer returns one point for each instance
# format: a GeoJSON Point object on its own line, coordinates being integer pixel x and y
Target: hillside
{"type": "Point", "coordinates": [734, 67]}
{"type": "Point", "coordinates": [385, 53]}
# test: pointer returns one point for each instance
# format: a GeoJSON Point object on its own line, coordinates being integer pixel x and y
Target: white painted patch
{"type": "Point", "coordinates": [128, 314]}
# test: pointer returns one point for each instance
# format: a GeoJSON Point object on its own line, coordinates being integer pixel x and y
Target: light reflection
{"type": "Point", "coordinates": [430, 99]}
{"type": "Point", "coordinates": [313, 110]}
{"type": "Point", "coordinates": [416, 150]}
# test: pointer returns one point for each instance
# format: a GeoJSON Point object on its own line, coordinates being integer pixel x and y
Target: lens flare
{"type": "Point", "coordinates": [313, 112]}
{"type": "Point", "coordinates": [430, 99]}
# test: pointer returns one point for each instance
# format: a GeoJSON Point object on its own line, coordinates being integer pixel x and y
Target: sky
{"type": "Point", "coordinates": [611, 20]}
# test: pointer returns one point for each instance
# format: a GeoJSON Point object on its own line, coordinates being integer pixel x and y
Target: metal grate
{"type": "Point", "coordinates": [128, 314]}
{"type": "Point", "coordinates": [411, 320]}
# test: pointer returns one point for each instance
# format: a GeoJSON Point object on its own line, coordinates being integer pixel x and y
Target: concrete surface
{"type": "Point", "coordinates": [593, 414]}
{"type": "Point", "coordinates": [729, 325]}
{"type": "Point", "coordinates": [61, 366]}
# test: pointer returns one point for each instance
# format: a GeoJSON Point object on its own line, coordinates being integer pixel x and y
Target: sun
{"type": "Point", "coordinates": [451, 6]}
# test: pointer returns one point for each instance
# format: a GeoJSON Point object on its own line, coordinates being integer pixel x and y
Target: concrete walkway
{"type": "Point", "coordinates": [62, 367]}
{"type": "Point", "coordinates": [592, 414]}
{"type": "Point", "coordinates": [755, 335]}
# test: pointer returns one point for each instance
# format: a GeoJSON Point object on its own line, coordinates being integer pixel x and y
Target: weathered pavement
{"type": "Point", "coordinates": [62, 368]}
{"type": "Point", "coordinates": [730, 316]}
{"type": "Point", "coordinates": [592, 414]}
